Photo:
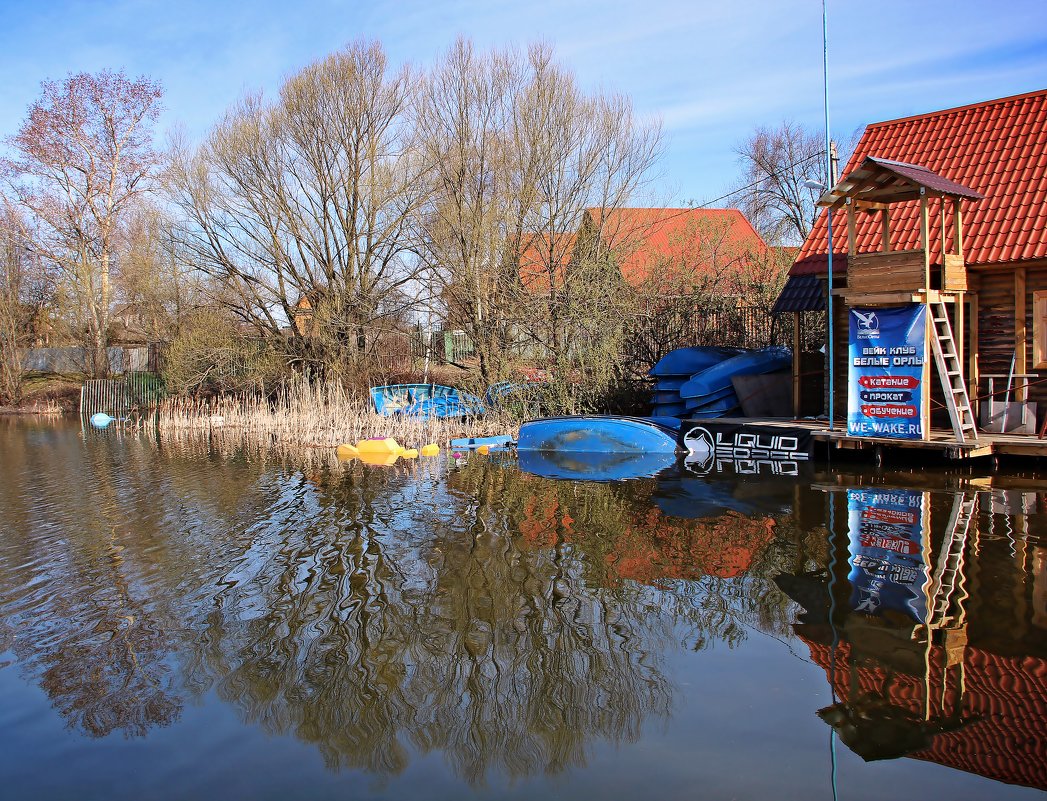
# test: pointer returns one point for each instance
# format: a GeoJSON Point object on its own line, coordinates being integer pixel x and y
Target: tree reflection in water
{"type": "Point", "coordinates": [506, 621]}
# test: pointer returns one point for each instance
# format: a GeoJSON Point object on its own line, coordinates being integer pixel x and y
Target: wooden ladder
{"type": "Point", "coordinates": [949, 570]}
{"type": "Point", "coordinates": [951, 373]}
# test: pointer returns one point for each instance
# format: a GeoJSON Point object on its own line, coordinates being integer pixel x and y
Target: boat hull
{"type": "Point", "coordinates": [718, 378]}
{"type": "Point", "coordinates": [582, 434]}
{"type": "Point", "coordinates": [688, 361]}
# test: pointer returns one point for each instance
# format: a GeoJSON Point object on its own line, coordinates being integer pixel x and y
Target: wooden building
{"type": "Point", "coordinates": [987, 257]}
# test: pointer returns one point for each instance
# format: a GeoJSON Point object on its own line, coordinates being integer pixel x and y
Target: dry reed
{"type": "Point", "coordinates": [321, 415]}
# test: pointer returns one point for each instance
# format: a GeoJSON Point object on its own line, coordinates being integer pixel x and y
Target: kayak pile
{"type": "Point", "coordinates": [696, 382]}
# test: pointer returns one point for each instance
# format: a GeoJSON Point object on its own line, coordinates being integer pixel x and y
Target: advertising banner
{"type": "Point", "coordinates": [888, 568]}
{"type": "Point", "coordinates": [744, 448]}
{"type": "Point", "coordinates": [885, 372]}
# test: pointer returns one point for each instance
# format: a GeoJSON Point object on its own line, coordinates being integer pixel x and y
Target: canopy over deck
{"type": "Point", "coordinates": [878, 182]}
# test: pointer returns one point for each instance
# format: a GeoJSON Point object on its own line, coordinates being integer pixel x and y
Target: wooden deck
{"type": "Point", "coordinates": [941, 443]}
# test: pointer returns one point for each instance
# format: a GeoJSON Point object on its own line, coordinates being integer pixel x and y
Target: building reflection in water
{"type": "Point", "coordinates": [907, 622]}
{"type": "Point", "coordinates": [509, 622]}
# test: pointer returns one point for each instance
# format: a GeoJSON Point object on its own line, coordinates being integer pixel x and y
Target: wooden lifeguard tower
{"type": "Point", "coordinates": [911, 266]}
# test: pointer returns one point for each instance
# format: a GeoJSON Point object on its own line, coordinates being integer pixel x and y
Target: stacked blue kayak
{"type": "Point", "coordinates": [707, 391]}
{"type": "Point", "coordinates": [675, 369]}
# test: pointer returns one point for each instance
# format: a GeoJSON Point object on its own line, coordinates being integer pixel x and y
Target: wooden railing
{"type": "Point", "coordinates": [903, 271]}
{"type": "Point", "coordinates": [893, 271]}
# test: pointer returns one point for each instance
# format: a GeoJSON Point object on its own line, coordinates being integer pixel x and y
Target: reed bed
{"type": "Point", "coordinates": [48, 407]}
{"type": "Point", "coordinates": [321, 415]}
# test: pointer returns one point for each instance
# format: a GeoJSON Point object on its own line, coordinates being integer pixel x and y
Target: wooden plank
{"type": "Point", "coordinates": [957, 227]}
{"type": "Point", "coordinates": [850, 228]}
{"type": "Point", "coordinates": [885, 229]}
{"type": "Point", "coordinates": [972, 372]}
{"type": "Point", "coordinates": [954, 273]}
{"type": "Point", "coordinates": [925, 239]}
{"type": "Point", "coordinates": [1020, 338]}
{"type": "Point", "coordinates": [797, 357]}
{"type": "Point", "coordinates": [925, 411]}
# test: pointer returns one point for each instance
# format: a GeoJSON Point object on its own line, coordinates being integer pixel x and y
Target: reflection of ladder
{"type": "Point", "coordinates": [951, 372]}
{"type": "Point", "coordinates": [948, 573]}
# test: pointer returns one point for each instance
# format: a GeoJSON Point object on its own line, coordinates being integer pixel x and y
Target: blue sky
{"type": "Point", "coordinates": [712, 71]}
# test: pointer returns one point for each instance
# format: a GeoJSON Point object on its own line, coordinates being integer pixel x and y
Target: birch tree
{"type": "Point", "coordinates": [81, 159]}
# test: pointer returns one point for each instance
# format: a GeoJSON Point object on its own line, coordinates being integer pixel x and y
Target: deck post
{"type": "Point", "coordinates": [925, 381]}
{"type": "Point", "coordinates": [925, 239]}
{"type": "Point", "coordinates": [797, 394]}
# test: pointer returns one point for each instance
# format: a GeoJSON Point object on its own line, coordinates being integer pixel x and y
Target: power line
{"type": "Point", "coordinates": [754, 184]}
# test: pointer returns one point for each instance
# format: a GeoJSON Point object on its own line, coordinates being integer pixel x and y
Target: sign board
{"type": "Point", "coordinates": [888, 567]}
{"type": "Point", "coordinates": [886, 370]}
{"type": "Point", "coordinates": [745, 448]}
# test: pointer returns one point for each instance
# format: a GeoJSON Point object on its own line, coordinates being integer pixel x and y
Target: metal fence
{"type": "Point", "coordinates": [651, 334]}
{"type": "Point", "coordinates": [135, 396]}
{"type": "Point", "coordinates": [122, 359]}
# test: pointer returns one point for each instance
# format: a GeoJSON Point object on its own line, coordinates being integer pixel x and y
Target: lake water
{"type": "Point", "coordinates": [203, 620]}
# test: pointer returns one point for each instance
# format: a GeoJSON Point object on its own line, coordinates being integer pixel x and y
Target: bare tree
{"type": "Point", "coordinates": [306, 202]}
{"type": "Point", "coordinates": [81, 159]}
{"type": "Point", "coordinates": [519, 153]}
{"type": "Point", "coordinates": [155, 290]}
{"type": "Point", "coordinates": [16, 309]}
{"type": "Point", "coordinates": [775, 163]}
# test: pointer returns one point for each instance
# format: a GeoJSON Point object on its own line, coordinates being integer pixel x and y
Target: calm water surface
{"type": "Point", "coordinates": [194, 620]}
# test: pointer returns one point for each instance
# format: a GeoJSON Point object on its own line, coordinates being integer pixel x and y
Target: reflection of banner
{"type": "Point", "coordinates": [888, 570]}
{"type": "Point", "coordinates": [713, 446]}
{"type": "Point", "coordinates": [885, 372]}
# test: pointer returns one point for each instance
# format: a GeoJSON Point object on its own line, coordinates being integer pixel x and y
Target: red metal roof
{"type": "Point", "coordinates": [997, 148]}
{"type": "Point", "coordinates": [701, 241]}
{"type": "Point", "coordinates": [1006, 696]}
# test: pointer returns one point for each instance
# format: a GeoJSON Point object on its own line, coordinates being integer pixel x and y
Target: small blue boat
{"type": "Point", "coordinates": [666, 396]}
{"type": "Point", "coordinates": [425, 400]}
{"type": "Point", "coordinates": [718, 377]}
{"type": "Point", "coordinates": [688, 361]}
{"type": "Point", "coordinates": [724, 394]}
{"type": "Point", "coordinates": [671, 383]}
{"type": "Point", "coordinates": [471, 443]}
{"type": "Point", "coordinates": [669, 409]}
{"type": "Point", "coordinates": [597, 434]}
{"type": "Point", "coordinates": [594, 466]}
{"type": "Point", "coordinates": [700, 407]}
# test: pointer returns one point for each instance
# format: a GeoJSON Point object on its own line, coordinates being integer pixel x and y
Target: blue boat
{"type": "Point", "coordinates": [666, 396]}
{"type": "Point", "coordinates": [425, 400]}
{"type": "Point", "coordinates": [597, 434]}
{"type": "Point", "coordinates": [671, 383]}
{"type": "Point", "coordinates": [669, 409]}
{"type": "Point", "coordinates": [472, 443]}
{"type": "Point", "coordinates": [688, 361]}
{"type": "Point", "coordinates": [700, 407]}
{"type": "Point", "coordinates": [594, 466]}
{"type": "Point", "coordinates": [718, 377]}
{"type": "Point", "coordinates": [724, 394]}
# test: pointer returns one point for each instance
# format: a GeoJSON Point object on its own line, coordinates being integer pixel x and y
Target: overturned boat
{"type": "Point", "coordinates": [599, 434]}
{"type": "Point", "coordinates": [425, 400]}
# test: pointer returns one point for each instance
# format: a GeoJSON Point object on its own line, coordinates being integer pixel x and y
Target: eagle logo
{"type": "Point", "coordinates": [867, 322]}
